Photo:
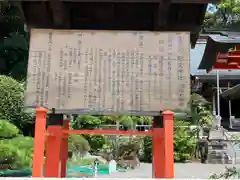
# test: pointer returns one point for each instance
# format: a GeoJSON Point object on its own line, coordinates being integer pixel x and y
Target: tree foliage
{"type": "Point", "coordinates": [184, 142]}
{"type": "Point", "coordinates": [200, 111]}
{"type": "Point", "coordinates": [14, 41]}
{"type": "Point", "coordinates": [229, 173]}
{"type": "Point", "coordinates": [8, 130]}
{"type": "Point", "coordinates": [78, 145]}
{"type": "Point", "coordinates": [12, 103]}
{"type": "Point", "coordinates": [223, 16]}
{"type": "Point", "coordinates": [86, 122]}
{"type": "Point", "coordinates": [15, 149]}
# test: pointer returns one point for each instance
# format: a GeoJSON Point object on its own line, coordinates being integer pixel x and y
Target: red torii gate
{"type": "Point", "coordinates": [55, 137]}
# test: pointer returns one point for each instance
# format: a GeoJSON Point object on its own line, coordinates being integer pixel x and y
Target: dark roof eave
{"type": "Point", "coordinates": [232, 93]}
{"type": "Point", "coordinates": [222, 77]}
{"type": "Point", "coordinates": [215, 44]}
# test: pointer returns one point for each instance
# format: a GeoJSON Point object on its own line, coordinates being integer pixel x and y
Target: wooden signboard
{"type": "Point", "coordinates": [108, 72]}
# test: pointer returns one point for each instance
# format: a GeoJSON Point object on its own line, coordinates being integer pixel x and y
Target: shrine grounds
{"type": "Point", "coordinates": [182, 170]}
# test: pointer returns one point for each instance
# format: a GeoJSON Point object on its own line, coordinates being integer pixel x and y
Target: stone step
{"type": "Point", "coordinates": [219, 157]}
{"type": "Point", "coordinates": [216, 134]}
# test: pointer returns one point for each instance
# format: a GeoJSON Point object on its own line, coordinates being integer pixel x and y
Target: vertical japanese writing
{"type": "Point", "coordinates": [117, 65]}
{"type": "Point", "coordinates": [137, 82]}
{"type": "Point", "coordinates": [149, 81]}
{"type": "Point", "coordinates": [38, 81]}
{"type": "Point", "coordinates": [91, 81]}
{"type": "Point", "coordinates": [141, 40]}
{"type": "Point", "coordinates": [38, 58]}
{"type": "Point", "coordinates": [160, 66]}
{"type": "Point", "coordinates": [87, 79]}
{"type": "Point", "coordinates": [113, 72]}
{"type": "Point", "coordinates": [97, 58]}
{"type": "Point", "coordinates": [94, 64]}
{"type": "Point", "coordinates": [141, 82]}
{"type": "Point", "coordinates": [79, 47]}
{"type": "Point", "coordinates": [48, 67]}
{"type": "Point", "coordinates": [122, 81]}
{"type": "Point", "coordinates": [161, 76]}
{"type": "Point", "coordinates": [180, 73]}
{"type": "Point", "coordinates": [59, 81]}
{"type": "Point", "coordinates": [169, 67]}
{"type": "Point", "coordinates": [111, 55]}
{"type": "Point", "coordinates": [71, 57]}
{"type": "Point", "coordinates": [70, 85]}
{"type": "Point", "coordinates": [127, 76]}
{"type": "Point", "coordinates": [103, 78]}
{"type": "Point", "coordinates": [132, 63]}
{"type": "Point", "coordinates": [155, 74]}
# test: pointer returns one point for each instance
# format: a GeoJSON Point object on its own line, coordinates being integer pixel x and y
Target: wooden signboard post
{"type": "Point", "coordinates": [105, 72]}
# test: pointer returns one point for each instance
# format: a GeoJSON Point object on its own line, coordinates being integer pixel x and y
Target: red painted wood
{"type": "Point", "coordinates": [39, 142]}
{"type": "Point", "coordinates": [64, 152]}
{"type": "Point", "coordinates": [163, 151]}
{"type": "Point", "coordinates": [168, 144]}
{"type": "Point", "coordinates": [225, 66]}
{"type": "Point", "coordinates": [158, 155]}
{"type": "Point", "coordinates": [107, 132]}
{"type": "Point", "coordinates": [53, 152]}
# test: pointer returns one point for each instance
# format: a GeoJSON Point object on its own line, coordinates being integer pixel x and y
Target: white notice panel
{"type": "Point", "coordinates": [108, 72]}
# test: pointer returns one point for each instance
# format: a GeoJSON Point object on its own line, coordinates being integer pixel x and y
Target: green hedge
{"type": "Point", "coordinates": [12, 103]}
{"type": "Point", "coordinates": [184, 143]}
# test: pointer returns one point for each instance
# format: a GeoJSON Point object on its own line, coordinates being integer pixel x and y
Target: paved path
{"type": "Point", "coordinates": [188, 170]}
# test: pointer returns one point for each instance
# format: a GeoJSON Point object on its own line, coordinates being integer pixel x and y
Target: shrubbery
{"type": "Point", "coordinates": [14, 157]}
{"type": "Point", "coordinates": [9, 155]}
{"type": "Point", "coordinates": [12, 103]}
{"type": "Point", "coordinates": [184, 143]}
{"type": "Point", "coordinates": [96, 142]}
{"type": "Point", "coordinates": [15, 149]}
{"type": "Point", "coordinates": [7, 130]}
{"type": "Point", "coordinates": [78, 145]}
{"type": "Point", "coordinates": [147, 148]}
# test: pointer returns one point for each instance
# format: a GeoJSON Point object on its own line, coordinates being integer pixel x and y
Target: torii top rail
{"type": "Point", "coordinates": [107, 132]}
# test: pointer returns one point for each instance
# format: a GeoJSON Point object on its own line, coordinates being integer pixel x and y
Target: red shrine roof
{"type": "Point", "coordinates": [218, 47]}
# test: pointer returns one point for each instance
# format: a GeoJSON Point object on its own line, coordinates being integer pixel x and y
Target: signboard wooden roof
{"type": "Point", "coordinates": [108, 72]}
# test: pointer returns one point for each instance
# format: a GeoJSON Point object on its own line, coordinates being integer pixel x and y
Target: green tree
{"type": "Point", "coordinates": [15, 150]}
{"type": "Point", "coordinates": [96, 142]}
{"type": "Point", "coordinates": [225, 17]}
{"type": "Point", "coordinates": [12, 104]}
{"type": "Point", "coordinates": [200, 111]}
{"type": "Point", "coordinates": [8, 130]}
{"type": "Point", "coordinates": [78, 145]}
{"type": "Point", "coordinates": [13, 41]}
{"type": "Point", "coordinates": [86, 122]}
{"type": "Point", "coordinates": [184, 143]}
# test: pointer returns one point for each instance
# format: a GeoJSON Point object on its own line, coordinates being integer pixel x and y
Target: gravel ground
{"type": "Point", "coordinates": [188, 170]}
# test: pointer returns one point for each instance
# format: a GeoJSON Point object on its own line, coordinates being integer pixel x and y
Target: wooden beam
{"type": "Point", "coordinates": [60, 14]}
{"type": "Point", "coordinates": [140, 1]}
{"type": "Point", "coordinates": [161, 16]}
{"type": "Point", "coordinates": [195, 1]}
{"type": "Point", "coordinates": [184, 27]}
{"type": "Point", "coordinates": [193, 39]}
{"type": "Point", "coordinates": [32, 11]}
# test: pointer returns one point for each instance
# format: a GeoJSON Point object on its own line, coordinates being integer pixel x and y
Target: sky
{"type": "Point", "coordinates": [211, 8]}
